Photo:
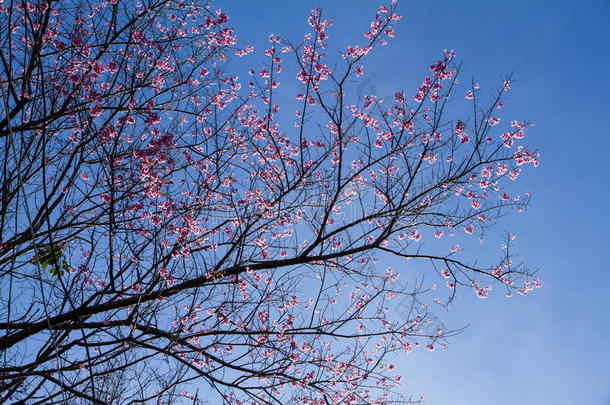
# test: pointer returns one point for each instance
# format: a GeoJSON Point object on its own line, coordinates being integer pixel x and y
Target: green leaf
{"type": "Point", "coordinates": [53, 256]}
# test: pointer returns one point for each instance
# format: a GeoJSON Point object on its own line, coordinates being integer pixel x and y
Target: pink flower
{"type": "Point", "coordinates": [399, 98]}
{"type": "Point", "coordinates": [481, 293]}
{"type": "Point", "coordinates": [153, 119]}
{"type": "Point", "coordinates": [96, 111]}
{"type": "Point", "coordinates": [84, 175]}
{"type": "Point", "coordinates": [155, 219]}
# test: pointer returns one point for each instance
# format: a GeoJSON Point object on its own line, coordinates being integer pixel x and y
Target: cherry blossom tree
{"type": "Point", "coordinates": [169, 235]}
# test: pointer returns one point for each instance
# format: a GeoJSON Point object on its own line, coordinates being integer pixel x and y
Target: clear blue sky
{"type": "Point", "coordinates": [551, 347]}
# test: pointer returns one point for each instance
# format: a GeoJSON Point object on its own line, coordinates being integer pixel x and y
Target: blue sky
{"type": "Point", "coordinates": [550, 347]}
